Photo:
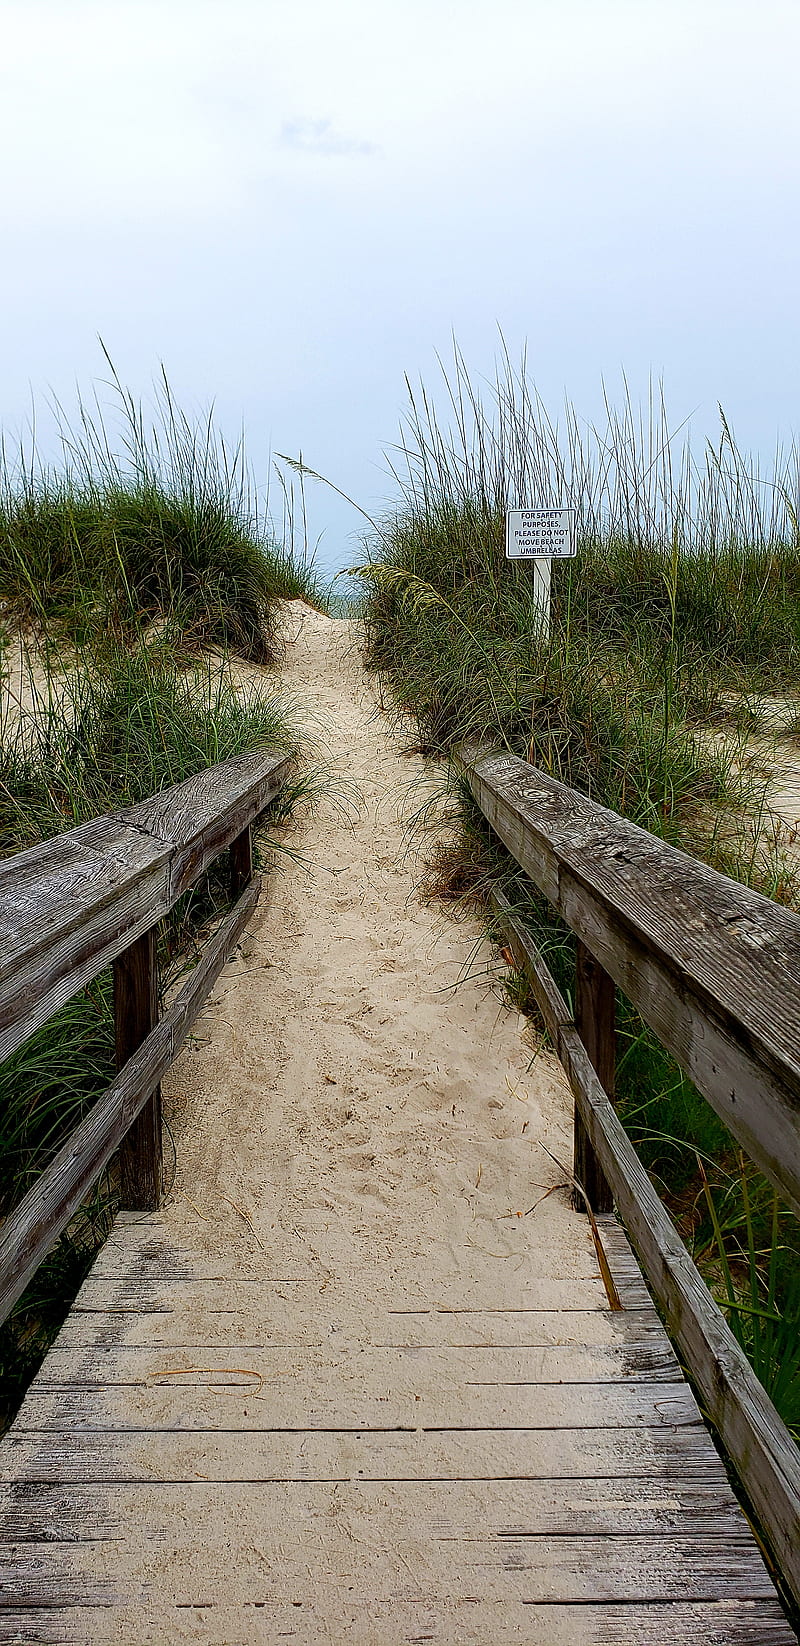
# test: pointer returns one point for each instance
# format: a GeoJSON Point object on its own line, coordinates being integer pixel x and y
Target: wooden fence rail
{"type": "Point", "coordinates": [713, 968]}
{"type": "Point", "coordinates": [82, 901]}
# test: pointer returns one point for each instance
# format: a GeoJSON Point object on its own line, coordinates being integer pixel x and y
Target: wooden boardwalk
{"type": "Point", "coordinates": [359, 1380]}
{"type": "Point", "coordinates": [202, 1458]}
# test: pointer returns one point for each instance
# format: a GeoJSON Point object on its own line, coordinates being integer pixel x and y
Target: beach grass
{"type": "Point", "coordinates": [147, 516]}
{"type": "Point", "coordinates": [680, 612]}
{"type": "Point", "coordinates": [132, 585]}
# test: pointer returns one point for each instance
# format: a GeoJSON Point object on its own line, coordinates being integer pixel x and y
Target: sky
{"type": "Point", "coordinates": [291, 207]}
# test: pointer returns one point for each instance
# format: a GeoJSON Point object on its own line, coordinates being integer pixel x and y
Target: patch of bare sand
{"type": "Point", "coordinates": [25, 686]}
{"type": "Point", "coordinates": [769, 757]}
{"type": "Point", "coordinates": [357, 1093]}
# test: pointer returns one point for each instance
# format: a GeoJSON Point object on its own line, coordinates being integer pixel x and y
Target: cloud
{"type": "Point", "coordinates": [320, 137]}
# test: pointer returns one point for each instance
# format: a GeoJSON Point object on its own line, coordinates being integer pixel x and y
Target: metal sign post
{"type": "Point", "coordinates": [540, 536]}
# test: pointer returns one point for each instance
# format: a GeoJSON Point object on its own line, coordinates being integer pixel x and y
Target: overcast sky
{"type": "Point", "coordinates": [292, 205]}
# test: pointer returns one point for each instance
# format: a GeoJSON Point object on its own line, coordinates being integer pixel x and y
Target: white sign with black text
{"type": "Point", "coordinates": [540, 534]}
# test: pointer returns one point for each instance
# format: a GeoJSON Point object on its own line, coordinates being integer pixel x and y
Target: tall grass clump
{"type": "Point", "coordinates": [680, 611]}
{"type": "Point", "coordinates": [155, 518]}
{"type": "Point", "coordinates": [685, 590]}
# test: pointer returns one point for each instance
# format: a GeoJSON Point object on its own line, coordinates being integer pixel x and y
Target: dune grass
{"type": "Point", "coordinates": [683, 604]}
{"type": "Point", "coordinates": [152, 517]}
{"type": "Point", "coordinates": [130, 581]}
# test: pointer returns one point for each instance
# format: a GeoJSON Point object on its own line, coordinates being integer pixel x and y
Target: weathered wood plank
{"type": "Point", "coordinates": [542, 1569]}
{"type": "Point", "coordinates": [33, 1512]}
{"type": "Point", "coordinates": [628, 1278]}
{"type": "Point", "coordinates": [635, 1348]}
{"type": "Point", "coordinates": [202, 816]}
{"type": "Point", "coordinates": [507, 1454]}
{"type": "Point", "coordinates": [96, 1365]}
{"type": "Point", "coordinates": [71, 1376]}
{"type": "Point", "coordinates": [233, 1293]}
{"type": "Point", "coordinates": [69, 906]}
{"type": "Point", "coordinates": [702, 958]}
{"type": "Point", "coordinates": [433, 1615]}
{"type": "Point", "coordinates": [28, 1234]}
{"type": "Point", "coordinates": [330, 1398]}
{"type": "Point", "coordinates": [62, 924]}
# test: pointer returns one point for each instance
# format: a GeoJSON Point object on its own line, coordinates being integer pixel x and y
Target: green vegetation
{"type": "Point", "coordinates": [680, 612]}
{"type": "Point", "coordinates": [164, 522]}
{"type": "Point", "coordinates": [115, 578]}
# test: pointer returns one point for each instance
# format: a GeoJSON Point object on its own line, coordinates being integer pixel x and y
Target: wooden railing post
{"type": "Point", "coordinates": [595, 1022]}
{"type": "Point", "coordinates": [135, 1014]}
{"type": "Point", "coordinates": [241, 861]}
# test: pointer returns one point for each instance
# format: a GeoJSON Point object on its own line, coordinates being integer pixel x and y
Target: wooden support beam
{"type": "Point", "coordinates": [135, 1015]}
{"type": "Point", "coordinates": [595, 1007]}
{"type": "Point", "coordinates": [241, 861]}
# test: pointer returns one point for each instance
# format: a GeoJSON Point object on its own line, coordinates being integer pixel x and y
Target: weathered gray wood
{"type": "Point", "coordinates": [628, 1278]}
{"type": "Point", "coordinates": [550, 1304]}
{"type": "Point", "coordinates": [595, 1003]}
{"type": "Point", "coordinates": [200, 817]}
{"type": "Point", "coordinates": [101, 1365]}
{"type": "Point", "coordinates": [241, 861]}
{"type": "Point", "coordinates": [711, 965]}
{"type": "Point", "coordinates": [140, 1314]}
{"type": "Point", "coordinates": [568, 1570]}
{"type": "Point", "coordinates": [754, 1436]}
{"type": "Point", "coordinates": [430, 1615]}
{"type": "Point", "coordinates": [30, 1231]}
{"type": "Point", "coordinates": [35, 1512]}
{"type": "Point", "coordinates": [136, 1007]}
{"type": "Point", "coordinates": [549, 999]}
{"type": "Point", "coordinates": [386, 1454]}
{"type": "Point", "coordinates": [68, 907]}
{"type": "Point", "coordinates": [333, 1398]}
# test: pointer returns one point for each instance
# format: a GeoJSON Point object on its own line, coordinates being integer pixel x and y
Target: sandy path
{"type": "Point", "coordinates": [350, 1094]}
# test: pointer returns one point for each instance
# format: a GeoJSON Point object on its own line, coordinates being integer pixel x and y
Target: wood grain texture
{"type": "Point", "coordinates": [30, 1231]}
{"type": "Point", "coordinates": [541, 1569]}
{"type": "Point", "coordinates": [69, 906]}
{"type": "Point", "coordinates": [756, 1439]}
{"type": "Point", "coordinates": [595, 1006]}
{"type": "Point", "coordinates": [232, 1400]}
{"type": "Point", "coordinates": [135, 1016]}
{"type": "Point", "coordinates": [711, 965]}
{"type": "Point", "coordinates": [387, 1453]}
{"type": "Point", "coordinates": [241, 861]}
{"type": "Point", "coordinates": [313, 1614]}
{"type": "Point", "coordinates": [35, 1512]}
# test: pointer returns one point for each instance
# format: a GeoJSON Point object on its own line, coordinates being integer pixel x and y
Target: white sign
{"type": "Point", "coordinates": [538, 534]}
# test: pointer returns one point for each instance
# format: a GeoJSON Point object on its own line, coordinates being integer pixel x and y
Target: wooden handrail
{"type": "Point", "coordinates": [712, 966]}
{"type": "Point", "coordinates": [77, 903]}
{"type": "Point", "coordinates": [69, 906]}
{"type": "Point", "coordinates": [754, 1435]}
{"type": "Point", "coordinates": [28, 1234]}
